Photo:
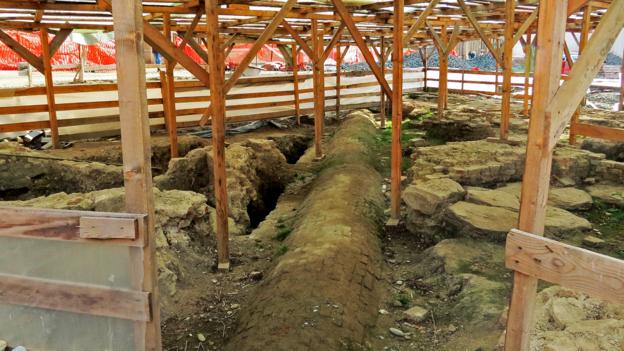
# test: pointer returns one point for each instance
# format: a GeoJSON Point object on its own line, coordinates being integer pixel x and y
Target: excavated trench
{"type": "Point", "coordinates": [323, 291]}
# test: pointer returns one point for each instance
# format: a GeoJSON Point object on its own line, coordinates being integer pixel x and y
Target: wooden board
{"type": "Point", "coordinates": [47, 224]}
{"type": "Point", "coordinates": [108, 228]}
{"type": "Point", "coordinates": [591, 273]}
{"type": "Point", "coordinates": [77, 298]}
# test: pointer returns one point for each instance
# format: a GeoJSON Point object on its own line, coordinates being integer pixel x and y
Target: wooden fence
{"type": "Point", "coordinates": [91, 110]}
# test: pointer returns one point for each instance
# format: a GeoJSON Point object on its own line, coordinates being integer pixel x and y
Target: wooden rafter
{"type": "Point", "coordinates": [482, 34]}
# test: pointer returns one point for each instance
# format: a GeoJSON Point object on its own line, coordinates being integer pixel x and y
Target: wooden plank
{"type": "Point", "coordinates": [58, 40]}
{"type": "Point", "coordinates": [108, 228]}
{"type": "Point", "coordinates": [318, 86]}
{"type": "Point", "coordinates": [344, 14]}
{"type": "Point", "coordinates": [60, 225]}
{"type": "Point", "coordinates": [524, 27]}
{"type": "Point", "coordinates": [576, 5]}
{"type": "Point", "coordinates": [136, 151]}
{"type": "Point", "coordinates": [382, 98]}
{"type": "Point", "coordinates": [304, 46]}
{"type": "Point", "coordinates": [510, 9]}
{"type": "Point", "coordinates": [49, 85]}
{"type": "Point", "coordinates": [600, 132]}
{"type": "Point", "coordinates": [332, 43]}
{"type": "Point", "coordinates": [477, 27]}
{"type": "Point", "coordinates": [536, 179]}
{"type": "Point", "coordinates": [594, 274]}
{"type": "Point", "coordinates": [338, 77]}
{"type": "Point", "coordinates": [528, 49]}
{"type": "Point", "coordinates": [420, 22]}
{"type": "Point", "coordinates": [259, 43]}
{"type": "Point", "coordinates": [295, 67]}
{"type": "Point", "coordinates": [573, 90]}
{"type": "Point", "coordinates": [75, 298]}
{"type": "Point", "coordinates": [397, 110]}
{"type": "Point", "coordinates": [24, 53]}
{"type": "Point", "coordinates": [167, 81]}
{"type": "Point", "coordinates": [217, 97]}
{"type": "Point", "coordinates": [583, 43]}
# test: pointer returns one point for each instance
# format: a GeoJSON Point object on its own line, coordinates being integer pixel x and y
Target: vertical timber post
{"type": "Point", "coordinates": [169, 91]}
{"type": "Point", "coordinates": [443, 74]}
{"type": "Point", "coordinates": [536, 180]}
{"type": "Point", "coordinates": [216, 63]}
{"type": "Point", "coordinates": [397, 111]}
{"type": "Point", "coordinates": [295, 53]}
{"type": "Point", "coordinates": [49, 86]}
{"type": "Point", "coordinates": [382, 97]}
{"type": "Point", "coordinates": [621, 108]}
{"type": "Point", "coordinates": [583, 43]}
{"type": "Point", "coordinates": [528, 53]}
{"type": "Point", "coordinates": [510, 6]}
{"type": "Point", "coordinates": [319, 89]}
{"type": "Point", "coordinates": [136, 150]}
{"type": "Point", "coordinates": [338, 77]}
{"type": "Point", "coordinates": [424, 58]}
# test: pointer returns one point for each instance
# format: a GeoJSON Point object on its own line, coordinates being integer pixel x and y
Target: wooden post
{"type": "Point", "coordinates": [463, 80]}
{"type": "Point", "coordinates": [49, 85]}
{"type": "Point", "coordinates": [169, 94]}
{"type": "Point", "coordinates": [583, 43]}
{"type": "Point", "coordinates": [397, 110]}
{"type": "Point", "coordinates": [528, 53]}
{"type": "Point", "coordinates": [295, 53]}
{"type": "Point", "coordinates": [319, 87]}
{"type": "Point", "coordinates": [622, 84]}
{"type": "Point", "coordinates": [536, 181]}
{"type": "Point", "coordinates": [217, 97]}
{"type": "Point", "coordinates": [496, 42]}
{"type": "Point", "coordinates": [510, 7]}
{"type": "Point", "coordinates": [338, 77]}
{"type": "Point", "coordinates": [83, 63]}
{"type": "Point", "coordinates": [382, 98]}
{"type": "Point", "coordinates": [425, 58]}
{"type": "Point", "coordinates": [136, 149]}
{"type": "Point", "coordinates": [443, 78]}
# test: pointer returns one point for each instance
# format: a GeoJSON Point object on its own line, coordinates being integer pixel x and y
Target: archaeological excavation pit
{"type": "Point", "coordinates": [311, 175]}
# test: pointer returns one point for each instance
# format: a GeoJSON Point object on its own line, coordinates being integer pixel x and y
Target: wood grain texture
{"type": "Point", "coordinates": [76, 298]}
{"type": "Point", "coordinates": [575, 268]}
{"type": "Point", "coordinates": [108, 228]}
{"type": "Point", "coordinates": [397, 110]}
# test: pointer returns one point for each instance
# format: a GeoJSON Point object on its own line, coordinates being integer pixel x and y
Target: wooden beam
{"type": "Point", "coordinates": [525, 25]}
{"type": "Point", "coordinates": [188, 35]}
{"type": "Point", "coordinates": [622, 84]}
{"type": "Point", "coordinates": [295, 65]}
{"type": "Point", "coordinates": [318, 88]}
{"type": "Point", "coordinates": [24, 53]}
{"type": "Point", "coordinates": [342, 11]}
{"type": "Point", "coordinates": [475, 24]}
{"type": "Point", "coordinates": [397, 110]}
{"type": "Point", "coordinates": [575, 6]}
{"type": "Point", "coordinates": [302, 43]}
{"type": "Point", "coordinates": [259, 43]}
{"type": "Point", "coordinates": [168, 94]}
{"type": "Point", "coordinates": [136, 151]}
{"type": "Point", "coordinates": [573, 90]}
{"type": "Point", "coordinates": [92, 227]}
{"type": "Point", "coordinates": [419, 22]}
{"type": "Point", "coordinates": [382, 97]}
{"type": "Point", "coordinates": [528, 53]}
{"type": "Point", "coordinates": [510, 9]}
{"type": "Point", "coordinates": [49, 85]}
{"type": "Point", "coordinates": [217, 98]}
{"type": "Point", "coordinates": [600, 132]}
{"type": "Point", "coordinates": [538, 164]}
{"type": "Point", "coordinates": [172, 53]}
{"type": "Point", "coordinates": [339, 74]}
{"type": "Point", "coordinates": [198, 49]}
{"type": "Point", "coordinates": [58, 40]}
{"type": "Point", "coordinates": [332, 43]}
{"type": "Point", "coordinates": [586, 28]}
{"type": "Point", "coordinates": [75, 298]}
{"type": "Point", "coordinates": [591, 273]}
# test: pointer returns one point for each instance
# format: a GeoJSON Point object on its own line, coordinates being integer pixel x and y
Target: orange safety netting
{"type": "Point", "coordinates": [103, 53]}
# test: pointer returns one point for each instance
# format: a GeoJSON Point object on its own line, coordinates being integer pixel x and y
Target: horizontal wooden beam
{"type": "Point", "coordinates": [64, 225]}
{"type": "Point", "coordinates": [108, 228]}
{"type": "Point", "coordinates": [76, 298]}
{"type": "Point", "coordinates": [600, 132]}
{"type": "Point", "coordinates": [591, 273]}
